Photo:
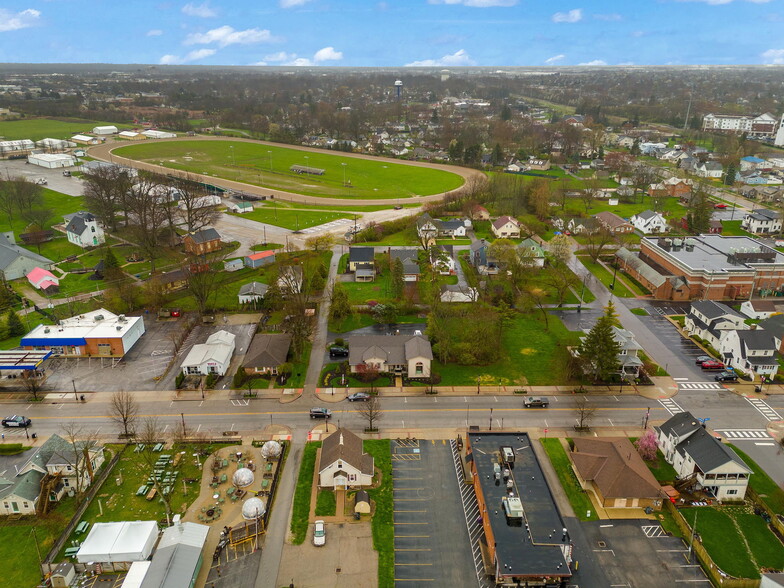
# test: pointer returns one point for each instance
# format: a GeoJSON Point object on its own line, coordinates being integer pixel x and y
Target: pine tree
{"type": "Point", "coordinates": [498, 154]}
{"type": "Point", "coordinates": [397, 279]}
{"type": "Point", "coordinates": [599, 349]}
{"type": "Point", "coordinates": [15, 326]}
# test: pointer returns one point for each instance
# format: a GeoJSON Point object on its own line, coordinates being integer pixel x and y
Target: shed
{"type": "Point", "coordinates": [178, 559]}
{"type": "Point", "coordinates": [255, 260]}
{"type": "Point", "coordinates": [119, 542]}
{"type": "Point", "coordinates": [233, 265]}
{"type": "Point", "coordinates": [63, 575]}
{"type": "Point", "coordinates": [240, 207]}
{"type": "Point", "coordinates": [362, 502]}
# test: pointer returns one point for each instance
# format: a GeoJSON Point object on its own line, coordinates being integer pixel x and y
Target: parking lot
{"type": "Point", "coordinates": [431, 538]}
{"type": "Point", "coordinates": [55, 180]}
{"type": "Point", "coordinates": [638, 554]}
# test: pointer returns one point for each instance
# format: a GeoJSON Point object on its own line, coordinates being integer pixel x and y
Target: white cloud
{"type": "Point", "coordinates": [594, 62]}
{"type": "Point", "coordinates": [10, 21]}
{"type": "Point", "coordinates": [719, 2]}
{"type": "Point", "coordinates": [154, 33]}
{"type": "Point", "coordinates": [300, 62]}
{"type": "Point", "coordinates": [476, 3]}
{"type": "Point", "coordinates": [456, 59]}
{"type": "Point", "coordinates": [575, 15]}
{"type": "Point", "coordinates": [608, 17]}
{"type": "Point", "coordinates": [774, 56]}
{"type": "Point", "coordinates": [292, 3]}
{"type": "Point", "coordinates": [226, 35]}
{"type": "Point", "coordinates": [202, 10]}
{"type": "Point", "coordinates": [327, 54]}
{"type": "Point", "coordinates": [280, 56]}
{"type": "Point", "coordinates": [555, 59]}
{"type": "Point", "coordinates": [195, 55]}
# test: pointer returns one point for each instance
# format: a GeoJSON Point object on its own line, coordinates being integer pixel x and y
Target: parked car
{"type": "Point", "coordinates": [398, 207]}
{"type": "Point", "coordinates": [702, 358]}
{"type": "Point", "coordinates": [16, 421]}
{"type": "Point", "coordinates": [41, 181]}
{"type": "Point", "coordinates": [712, 365]}
{"type": "Point", "coordinates": [338, 352]}
{"type": "Point", "coordinates": [319, 533]}
{"type": "Point", "coordinates": [532, 401]}
{"type": "Point", "coordinates": [358, 396]}
{"type": "Point", "coordinates": [320, 413]}
{"type": "Point", "coordinates": [720, 206]}
{"type": "Point", "coordinates": [726, 377]}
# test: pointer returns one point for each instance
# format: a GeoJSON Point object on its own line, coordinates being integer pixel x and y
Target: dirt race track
{"type": "Point", "coordinates": [470, 176]}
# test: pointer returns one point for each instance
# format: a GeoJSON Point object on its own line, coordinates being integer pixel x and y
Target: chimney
{"type": "Point", "coordinates": [341, 439]}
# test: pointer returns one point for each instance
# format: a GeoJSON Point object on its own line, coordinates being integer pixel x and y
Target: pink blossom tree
{"type": "Point", "coordinates": [647, 446]}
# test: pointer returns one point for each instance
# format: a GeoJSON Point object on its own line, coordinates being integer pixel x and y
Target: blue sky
{"type": "Point", "coordinates": [393, 33]}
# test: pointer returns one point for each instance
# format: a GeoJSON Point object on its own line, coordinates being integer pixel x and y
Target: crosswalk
{"type": "Point", "coordinates": [328, 226]}
{"type": "Point", "coordinates": [699, 386]}
{"type": "Point", "coordinates": [473, 518]}
{"type": "Point", "coordinates": [764, 409]}
{"type": "Point", "coordinates": [670, 405]}
{"type": "Point", "coordinates": [741, 434]}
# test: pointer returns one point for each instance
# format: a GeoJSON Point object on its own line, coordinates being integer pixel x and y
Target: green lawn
{"type": "Point", "coordinates": [605, 276]}
{"type": "Point", "coordinates": [73, 284]}
{"type": "Point", "coordinates": [300, 510]}
{"type": "Point", "coordinates": [579, 500]}
{"type": "Point", "coordinates": [330, 208]}
{"type": "Point", "coordinates": [732, 229]}
{"type": "Point", "coordinates": [768, 490]}
{"type": "Point", "coordinates": [325, 503]}
{"type": "Point", "coordinates": [60, 204]}
{"type": "Point", "coordinates": [36, 129]}
{"type": "Point", "coordinates": [531, 354]}
{"type": "Point", "coordinates": [292, 219]}
{"type": "Point", "coordinates": [401, 238]}
{"type": "Point", "coordinates": [639, 311]}
{"type": "Point", "coordinates": [268, 165]}
{"type": "Point", "coordinates": [383, 517]}
{"type": "Point", "coordinates": [661, 470]}
{"type": "Point", "coordinates": [18, 544]}
{"type": "Point", "coordinates": [379, 290]}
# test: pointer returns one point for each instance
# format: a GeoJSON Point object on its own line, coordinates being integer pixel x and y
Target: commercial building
{"type": "Point", "coordinates": [17, 147]}
{"type": "Point", "coordinates": [779, 140]}
{"type": "Point", "coordinates": [527, 543]}
{"type": "Point", "coordinates": [178, 557]}
{"type": "Point", "coordinates": [755, 126]}
{"type": "Point", "coordinates": [52, 145]}
{"type": "Point", "coordinates": [98, 333]}
{"type": "Point", "coordinates": [153, 134]}
{"type": "Point", "coordinates": [705, 267]}
{"type": "Point", "coordinates": [211, 357]}
{"type": "Point", "coordinates": [343, 463]}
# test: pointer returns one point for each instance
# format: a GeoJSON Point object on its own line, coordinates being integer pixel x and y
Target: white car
{"type": "Point", "coordinates": [319, 534]}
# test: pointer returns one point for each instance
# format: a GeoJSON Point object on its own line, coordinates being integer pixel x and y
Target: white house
{"type": "Point", "coordinates": [83, 230]}
{"type": "Point", "coordinates": [51, 160]}
{"type": "Point", "coordinates": [211, 357]}
{"type": "Point", "coordinates": [761, 309]}
{"type": "Point", "coordinates": [761, 222]}
{"type": "Point", "coordinates": [700, 458]}
{"type": "Point", "coordinates": [442, 258]}
{"type": "Point", "coordinates": [252, 292]}
{"type": "Point", "coordinates": [709, 169]}
{"type": "Point", "coordinates": [428, 227]}
{"type": "Point", "coordinates": [506, 227]}
{"type": "Point", "coordinates": [707, 319]}
{"type": "Point", "coordinates": [648, 222]}
{"type": "Point", "coordinates": [105, 130]}
{"type": "Point", "coordinates": [343, 462]}
{"type": "Point", "coordinates": [752, 351]}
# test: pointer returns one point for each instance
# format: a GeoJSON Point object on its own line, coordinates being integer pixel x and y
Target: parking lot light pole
{"type": "Point", "coordinates": [73, 383]}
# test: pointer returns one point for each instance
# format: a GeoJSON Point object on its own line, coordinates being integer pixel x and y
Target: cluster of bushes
{"type": "Point", "coordinates": [179, 380]}
{"type": "Point", "coordinates": [377, 231]}
{"type": "Point", "coordinates": [210, 381]}
{"type": "Point", "coordinates": [465, 334]}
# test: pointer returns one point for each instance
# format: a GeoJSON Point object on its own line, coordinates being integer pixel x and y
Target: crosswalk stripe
{"type": "Point", "coordinates": [764, 409]}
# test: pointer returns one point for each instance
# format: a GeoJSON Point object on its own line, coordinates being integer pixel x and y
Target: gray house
{"type": "Point", "coordinates": [16, 262]}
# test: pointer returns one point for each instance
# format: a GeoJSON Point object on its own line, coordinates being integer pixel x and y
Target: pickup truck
{"type": "Point", "coordinates": [532, 401]}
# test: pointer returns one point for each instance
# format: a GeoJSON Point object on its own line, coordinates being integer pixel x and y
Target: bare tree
{"type": "Point", "coordinates": [38, 217]}
{"type": "Point", "coordinates": [597, 241]}
{"type": "Point", "coordinates": [105, 192]}
{"type": "Point", "coordinates": [149, 435]}
{"type": "Point", "coordinates": [193, 204]}
{"type": "Point", "coordinates": [33, 383]}
{"type": "Point", "coordinates": [370, 411]}
{"type": "Point", "coordinates": [204, 277]}
{"type": "Point", "coordinates": [148, 215]}
{"type": "Point", "coordinates": [80, 456]}
{"type": "Point", "coordinates": [584, 412]}
{"type": "Point", "coordinates": [25, 194]}
{"type": "Point", "coordinates": [561, 278]}
{"type": "Point", "coordinates": [7, 203]}
{"type": "Point", "coordinates": [124, 410]}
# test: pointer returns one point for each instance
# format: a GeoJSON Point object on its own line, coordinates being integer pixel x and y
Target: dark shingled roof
{"type": "Point", "coordinates": [205, 235]}
{"type": "Point", "coordinates": [361, 254]}
{"type": "Point", "coordinates": [346, 446]}
{"type": "Point", "coordinates": [615, 467]}
{"type": "Point", "coordinates": [712, 310]}
{"type": "Point", "coordinates": [77, 224]}
{"type": "Point", "coordinates": [267, 350]}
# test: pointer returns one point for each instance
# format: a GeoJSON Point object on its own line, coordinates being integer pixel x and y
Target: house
{"type": "Point", "coordinates": [410, 258]}
{"type": "Point", "coordinates": [761, 309]}
{"type": "Point", "coordinates": [761, 222]}
{"type": "Point", "coordinates": [538, 164]}
{"type": "Point", "coordinates": [42, 279]}
{"type": "Point", "coordinates": [678, 187]}
{"type": "Point", "coordinates": [709, 169]}
{"type": "Point", "coordinates": [266, 353]}
{"type": "Point", "coordinates": [613, 223]}
{"type": "Point", "coordinates": [616, 473]}
{"type": "Point", "coordinates": [252, 292]}
{"type": "Point", "coordinates": [98, 333]}
{"type": "Point", "coordinates": [775, 326]}
{"type": "Point", "coordinates": [531, 253]}
{"type": "Point", "coordinates": [240, 207]}
{"type": "Point", "coordinates": [752, 351]}
{"type": "Point", "coordinates": [706, 319]}
{"type": "Point", "coordinates": [290, 279]}
{"type": "Point", "coordinates": [575, 225]}
{"type": "Point", "coordinates": [211, 357]}
{"type": "Point", "coordinates": [202, 242]}
{"type": "Point", "coordinates": [478, 253]}
{"type": "Point", "coordinates": [442, 258]}
{"type": "Point", "coordinates": [259, 259]}
{"type": "Point", "coordinates": [430, 228]}
{"type": "Point", "coordinates": [343, 462]}
{"type": "Point", "coordinates": [362, 258]}
{"type": "Point", "coordinates": [701, 459]}
{"type": "Point", "coordinates": [628, 360]}
{"type": "Point", "coordinates": [649, 222]}
{"type": "Point", "coordinates": [173, 280]}
{"type": "Point", "coordinates": [397, 354]}
{"type": "Point", "coordinates": [506, 227]}
{"type": "Point", "coordinates": [479, 213]}
{"type": "Point", "coordinates": [752, 163]}
{"type": "Point", "coordinates": [83, 230]}
{"type": "Point", "coordinates": [53, 468]}
{"type": "Point", "coordinates": [458, 293]}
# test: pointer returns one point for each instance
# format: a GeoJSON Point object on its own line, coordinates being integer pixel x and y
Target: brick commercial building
{"type": "Point", "coordinates": [705, 267]}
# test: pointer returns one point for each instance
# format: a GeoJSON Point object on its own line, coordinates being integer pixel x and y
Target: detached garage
{"type": "Point", "coordinates": [52, 160]}
{"type": "Point", "coordinates": [119, 542]}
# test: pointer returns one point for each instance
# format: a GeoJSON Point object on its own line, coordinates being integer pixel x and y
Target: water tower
{"type": "Point", "coordinates": [398, 87]}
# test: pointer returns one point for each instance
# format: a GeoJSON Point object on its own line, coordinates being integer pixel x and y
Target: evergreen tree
{"type": "Point", "coordinates": [110, 260]}
{"type": "Point", "coordinates": [506, 112]}
{"type": "Point", "coordinates": [599, 349]}
{"type": "Point", "coordinates": [700, 212]}
{"type": "Point", "coordinates": [397, 279]}
{"type": "Point", "coordinates": [15, 326]}
{"type": "Point", "coordinates": [498, 154]}
{"type": "Point", "coordinates": [729, 176]}
{"type": "Point", "coordinates": [341, 306]}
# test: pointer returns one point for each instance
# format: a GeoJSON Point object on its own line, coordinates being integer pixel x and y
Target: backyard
{"type": "Point", "coordinates": [578, 498]}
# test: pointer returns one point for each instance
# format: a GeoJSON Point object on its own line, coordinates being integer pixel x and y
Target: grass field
{"type": "Point", "coordinates": [36, 129]}
{"type": "Point", "coordinates": [383, 518]}
{"type": "Point", "coordinates": [531, 354]}
{"type": "Point", "coordinates": [579, 500]}
{"type": "Point", "coordinates": [300, 510]}
{"type": "Point", "coordinates": [292, 218]}
{"type": "Point", "coordinates": [268, 165]}
{"type": "Point", "coordinates": [60, 204]}
{"type": "Point", "coordinates": [732, 229]}
{"type": "Point", "coordinates": [605, 276]}
{"type": "Point", "coordinates": [330, 208]}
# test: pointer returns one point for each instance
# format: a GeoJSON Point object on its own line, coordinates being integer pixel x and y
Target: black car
{"type": "Point", "coordinates": [338, 352]}
{"type": "Point", "coordinates": [702, 358]}
{"type": "Point", "coordinates": [16, 421]}
{"type": "Point", "coordinates": [726, 377]}
{"type": "Point", "coordinates": [320, 413]}
{"type": "Point", "coordinates": [358, 397]}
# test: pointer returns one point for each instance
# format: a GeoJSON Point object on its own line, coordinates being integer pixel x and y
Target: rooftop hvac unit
{"type": "Point", "coordinates": [98, 317]}
{"type": "Point", "coordinates": [507, 454]}
{"type": "Point", "coordinates": [119, 327]}
{"type": "Point", "coordinates": [122, 318]}
{"type": "Point", "coordinates": [513, 508]}
{"type": "Point", "coordinates": [46, 329]}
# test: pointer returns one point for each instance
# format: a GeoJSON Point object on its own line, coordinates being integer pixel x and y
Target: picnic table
{"type": "Point", "coordinates": [82, 527]}
{"type": "Point", "coordinates": [268, 467]}
{"type": "Point", "coordinates": [230, 491]}
{"type": "Point", "coordinates": [139, 448]}
{"type": "Point", "coordinates": [225, 463]}
{"type": "Point", "coordinates": [158, 448]}
{"type": "Point", "coordinates": [142, 490]}
{"type": "Point", "coordinates": [265, 484]}
{"type": "Point", "coordinates": [72, 551]}
{"type": "Point", "coordinates": [223, 478]}
{"type": "Point", "coordinates": [151, 494]}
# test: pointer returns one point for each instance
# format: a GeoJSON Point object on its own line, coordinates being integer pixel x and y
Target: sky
{"type": "Point", "coordinates": [394, 33]}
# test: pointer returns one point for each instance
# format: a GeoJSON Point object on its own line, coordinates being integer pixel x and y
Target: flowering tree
{"type": "Point", "coordinates": [647, 446]}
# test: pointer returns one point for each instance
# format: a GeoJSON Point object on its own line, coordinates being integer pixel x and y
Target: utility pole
{"type": "Point", "coordinates": [73, 383]}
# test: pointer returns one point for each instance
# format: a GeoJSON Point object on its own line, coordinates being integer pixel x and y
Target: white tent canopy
{"type": "Point", "coordinates": [135, 575]}
{"type": "Point", "coordinates": [119, 542]}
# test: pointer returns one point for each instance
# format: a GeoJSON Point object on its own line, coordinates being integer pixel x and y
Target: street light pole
{"type": "Point", "coordinates": [73, 383]}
